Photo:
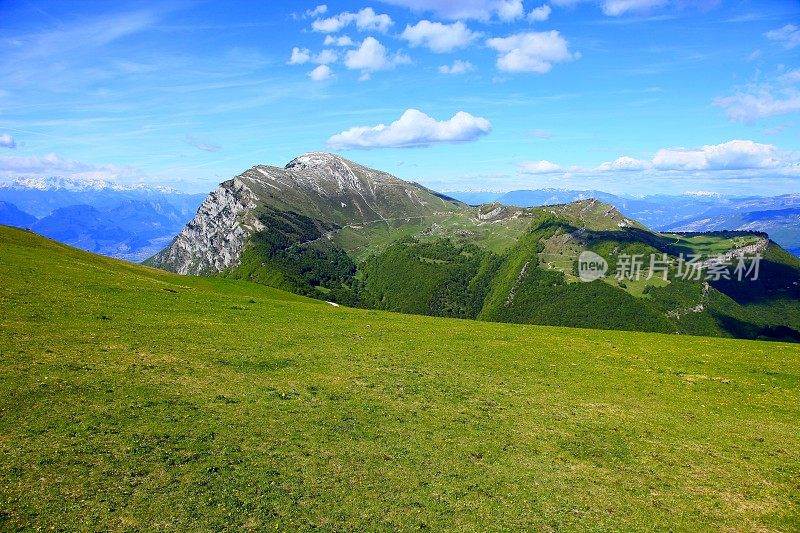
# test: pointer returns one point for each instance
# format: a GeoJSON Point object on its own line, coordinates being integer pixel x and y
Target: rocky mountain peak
{"type": "Point", "coordinates": [316, 160]}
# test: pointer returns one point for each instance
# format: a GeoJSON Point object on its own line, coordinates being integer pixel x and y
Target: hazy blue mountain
{"type": "Point", "coordinates": [782, 225]}
{"type": "Point", "coordinates": [10, 215]}
{"type": "Point", "coordinates": [42, 196]}
{"type": "Point", "coordinates": [127, 222]}
{"type": "Point", "coordinates": [475, 197]}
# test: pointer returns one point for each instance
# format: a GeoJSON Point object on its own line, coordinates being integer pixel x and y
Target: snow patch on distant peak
{"type": "Point", "coordinates": [703, 194]}
{"type": "Point", "coordinates": [79, 185]}
{"type": "Point", "coordinates": [318, 169]}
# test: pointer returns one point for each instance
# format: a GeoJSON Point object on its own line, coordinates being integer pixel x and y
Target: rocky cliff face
{"type": "Point", "coordinates": [213, 240]}
{"type": "Point", "coordinates": [321, 186]}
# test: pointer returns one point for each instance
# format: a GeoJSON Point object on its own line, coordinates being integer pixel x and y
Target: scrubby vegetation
{"type": "Point", "coordinates": [292, 253]}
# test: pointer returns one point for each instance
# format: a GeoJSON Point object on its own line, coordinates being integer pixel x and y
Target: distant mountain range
{"type": "Point", "coordinates": [127, 222]}
{"type": "Point", "coordinates": [686, 212]}
{"type": "Point", "coordinates": [332, 229]}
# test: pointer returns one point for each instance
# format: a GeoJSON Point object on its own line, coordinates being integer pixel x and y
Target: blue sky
{"type": "Point", "coordinates": [628, 96]}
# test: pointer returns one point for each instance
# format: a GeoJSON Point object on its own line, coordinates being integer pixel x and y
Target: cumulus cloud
{"type": "Point", "coordinates": [372, 56]}
{"type": "Point", "coordinates": [317, 11]}
{"type": "Point", "coordinates": [201, 145]}
{"type": "Point", "coordinates": [531, 51]}
{"type": "Point", "coordinates": [413, 129]}
{"type": "Point", "coordinates": [732, 155]}
{"type": "Point", "coordinates": [735, 155]}
{"type": "Point", "coordinates": [540, 14]}
{"type": "Point", "coordinates": [299, 56]}
{"type": "Point", "coordinates": [439, 37]}
{"type": "Point", "coordinates": [7, 141]}
{"type": "Point", "coordinates": [508, 10]}
{"type": "Point", "coordinates": [365, 20]}
{"type": "Point", "coordinates": [342, 41]}
{"type": "Point", "coordinates": [483, 10]}
{"type": "Point", "coordinates": [458, 67]}
{"type": "Point", "coordinates": [321, 73]}
{"type": "Point", "coordinates": [788, 35]}
{"type": "Point", "coordinates": [539, 167]}
{"type": "Point", "coordinates": [326, 57]}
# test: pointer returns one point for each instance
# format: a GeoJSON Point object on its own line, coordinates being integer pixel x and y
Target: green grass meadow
{"type": "Point", "coordinates": [132, 399]}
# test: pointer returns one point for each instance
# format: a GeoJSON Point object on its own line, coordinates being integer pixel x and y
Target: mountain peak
{"type": "Point", "coordinates": [311, 160]}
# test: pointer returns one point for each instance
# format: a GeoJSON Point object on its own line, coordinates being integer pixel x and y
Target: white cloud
{"type": "Point", "coordinates": [299, 56]}
{"type": "Point", "coordinates": [538, 167]}
{"type": "Point", "coordinates": [483, 10]}
{"type": "Point", "coordinates": [329, 25]}
{"type": "Point", "coordinates": [509, 10]}
{"type": "Point", "coordinates": [625, 163]}
{"type": "Point", "coordinates": [439, 37]}
{"type": "Point", "coordinates": [317, 11]}
{"type": "Point", "coordinates": [321, 73]}
{"type": "Point", "coordinates": [413, 129]}
{"type": "Point", "coordinates": [326, 57]}
{"type": "Point", "coordinates": [736, 155]}
{"type": "Point", "coordinates": [540, 134]}
{"type": "Point", "coordinates": [788, 35]}
{"type": "Point", "coordinates": [56, 166]}
{"type": "Point", "coordinates": [372, 56]}
{"type": "Point", "coordinates": [365, 20]}
{"type": "Point", "coordinates": [531, 51]}
{"type": "Point", "coordinates": [458, 67]}
{"type": "Point", "coordinates": [615, 8]}
{"type": "Point", "coordinates": [342, 41]}
{"type": "Point", "coordinates": [750, 107]}
{"type": "Point", "coordinates": [732, 155]}
{"type": "Point", "coordinates": [757, 101]}
{"type": "Point", "coordinates": [540, 14]}
{"type": "Point", "coordinates": [7, 141]}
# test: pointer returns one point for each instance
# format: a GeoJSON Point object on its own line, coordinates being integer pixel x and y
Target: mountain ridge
{"type": "Point", "coordinates": [327, 227]}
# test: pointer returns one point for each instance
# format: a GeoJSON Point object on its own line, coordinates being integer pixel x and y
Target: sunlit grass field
{"type": "Point", "coordinates": [133, 399]}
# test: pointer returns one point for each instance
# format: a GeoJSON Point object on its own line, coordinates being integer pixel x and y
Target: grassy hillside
{"type": "Point", "coordinates": [534, 280]}
{"type": "Point", "coordinates": [135, 399]}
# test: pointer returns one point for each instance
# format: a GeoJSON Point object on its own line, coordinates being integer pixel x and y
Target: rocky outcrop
{"type": "Point", "coordinates": [216, 236]}
{"type": "Point", "coordinates": [323, 187]}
